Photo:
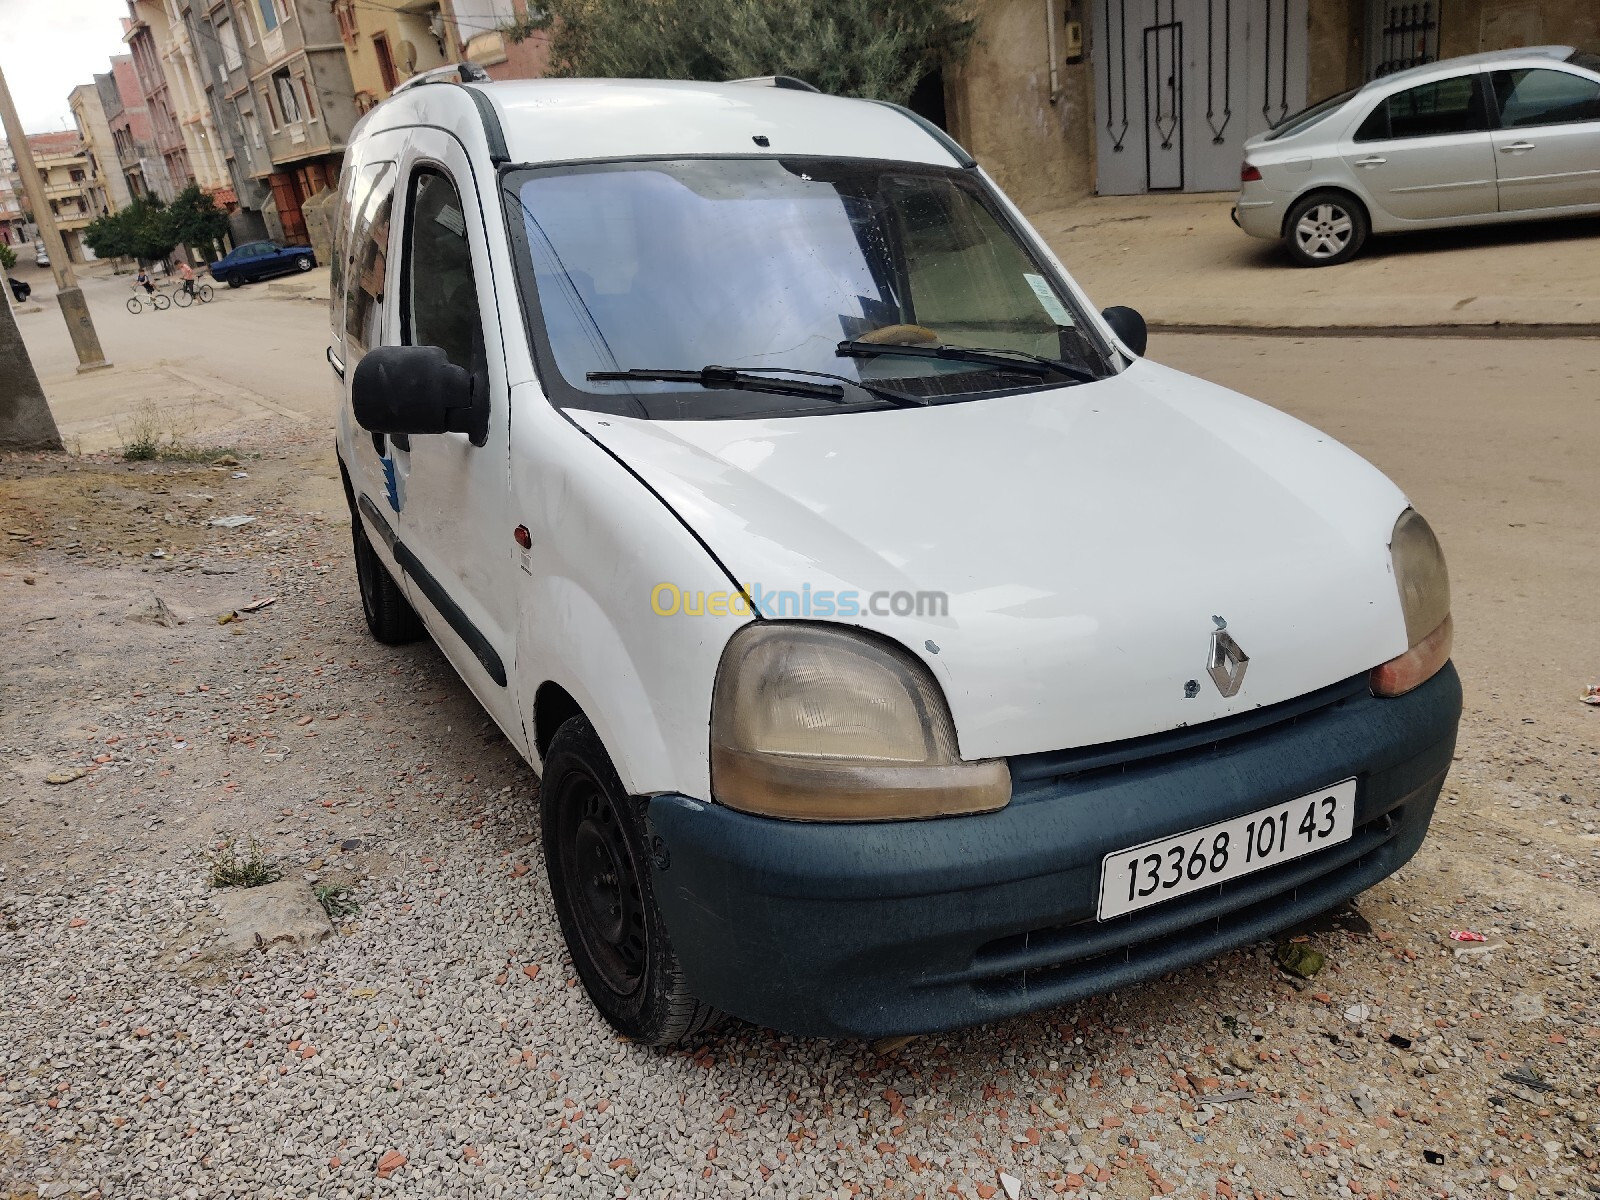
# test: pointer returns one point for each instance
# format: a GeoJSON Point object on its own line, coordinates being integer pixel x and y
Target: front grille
{"type": "Point", "coordinates": [1039, 773]}
{"type": "Point", "coordinates": [1036, 958]}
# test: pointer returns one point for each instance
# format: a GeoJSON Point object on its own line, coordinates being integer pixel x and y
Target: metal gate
{"type": "Point", "coordinates": [1401, 36]}
{"type": "Point", "coordinates": [1180, 84]}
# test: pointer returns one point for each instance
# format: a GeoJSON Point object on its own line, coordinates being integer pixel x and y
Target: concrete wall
{"type": "Point", "coordinates": [999, 105]}
{"type": "Point", "coordinates": [1335, 47]}
{"type": "Point", "coordinates": [1469, 26]}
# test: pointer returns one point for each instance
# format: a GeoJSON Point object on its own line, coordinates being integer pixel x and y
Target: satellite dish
{"type": "Point", "coordinates": [408, 57]}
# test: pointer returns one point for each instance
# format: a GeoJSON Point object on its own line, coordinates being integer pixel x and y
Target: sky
{"type": "Point", "coordinates": [48, 47]}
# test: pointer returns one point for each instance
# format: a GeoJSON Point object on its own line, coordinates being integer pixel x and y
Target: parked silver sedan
{"type": "Point", "coordinates": [1513, 135]}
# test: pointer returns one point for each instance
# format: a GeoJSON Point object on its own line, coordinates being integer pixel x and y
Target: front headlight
{"type": "Point", "coordinates": [1424, 583]}
{"type": "Point", "coordinates": [817, 723]}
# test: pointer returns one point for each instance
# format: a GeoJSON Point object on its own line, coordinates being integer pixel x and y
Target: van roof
{"type": "Point", "coordinates": [565, 120]}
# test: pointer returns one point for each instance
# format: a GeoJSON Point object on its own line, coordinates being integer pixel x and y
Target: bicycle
{"type": "Point", "coordinates": [183, 297]}
{"type": "Point", "coordinates": [156, 300]}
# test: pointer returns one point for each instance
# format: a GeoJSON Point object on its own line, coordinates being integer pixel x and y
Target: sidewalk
{"type": "Point", "coordinates": [1180, 261]}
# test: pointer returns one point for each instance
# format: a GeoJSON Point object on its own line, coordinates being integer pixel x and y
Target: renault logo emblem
{"type": "Point", "coordinates": [1228, 661]}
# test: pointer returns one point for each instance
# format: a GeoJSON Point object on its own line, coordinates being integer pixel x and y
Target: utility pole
{"type": "Point", "coordinates": [80, 325]}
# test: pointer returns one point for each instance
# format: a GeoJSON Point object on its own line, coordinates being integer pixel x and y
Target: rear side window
{"type": "Point", "coordinates": [368, 262]}
{"type": "Point", "coordinates": [1533, 96]}
{"type": "Point", "coordinates": [1437, 109]}
{"type": "Point", "coordinates": [441, 297]}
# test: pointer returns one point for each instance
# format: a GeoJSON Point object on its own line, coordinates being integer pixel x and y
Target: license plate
{"type": "Point", "coordinates": [1175, 866]}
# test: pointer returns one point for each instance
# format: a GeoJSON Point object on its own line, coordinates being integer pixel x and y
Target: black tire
{"type": "Point", "coordinates": [234, 281]}
{"type": "Point", "coordinates": [182, 298]}
{"type": "Point", "coordinates": [1325, 229]}
{"type": "Point", "coordinates": [304, 263]}
{"type": "Point", "coordinates": [133, 304]}
{"type": "Point", "coordinates": [159, 301]}
{"type": "Point", "coordinates": [390, 617]}
{"type": "Point", "coordinates": [204, 292]}
{"type": "Point", "coordinates": [596, 854]}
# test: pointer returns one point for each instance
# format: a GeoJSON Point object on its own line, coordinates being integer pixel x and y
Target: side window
{"type": "Point", "coordinates": [1445, 106]}
{"type": "Point", "coordinates": [1532, 96]}
{"type": "Point", "coordinates": [367, 269]}
{"type": "Point", "coordinates": [441, 298]}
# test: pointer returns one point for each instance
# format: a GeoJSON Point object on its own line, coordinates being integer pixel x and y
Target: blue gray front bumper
{"type": "Point", "coordinates": [870, 930]}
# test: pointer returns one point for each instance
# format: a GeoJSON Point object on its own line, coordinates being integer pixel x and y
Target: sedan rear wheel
{"type": "Point", "coordinates": [1325, 229]}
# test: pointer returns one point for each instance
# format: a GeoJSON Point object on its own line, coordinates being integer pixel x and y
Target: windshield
{"type": "Point", "coordinates": [1308, 117]}
{"type": "Point", "coordinates": [764, 264]}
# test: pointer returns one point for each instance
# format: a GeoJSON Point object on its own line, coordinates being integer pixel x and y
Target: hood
{"type": "Point", "coordinates": [1088, 539]}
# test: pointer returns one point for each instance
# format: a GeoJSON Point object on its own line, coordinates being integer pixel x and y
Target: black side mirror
{"type": "Point", "coordinates": [417, 389]}
{"type": "Point", "coordinates": [1128, 325]}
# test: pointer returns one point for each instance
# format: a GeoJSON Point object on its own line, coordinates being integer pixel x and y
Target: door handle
{"type": "Point", "coordinates": [1372, 160]}
{"type": "Point", "coordinates": [1516, 147]}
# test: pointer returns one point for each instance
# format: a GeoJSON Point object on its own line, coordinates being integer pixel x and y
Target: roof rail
{"type": "Point", "coordinates": [466, 72]}
{"type": "Point", "coordinates": [788, 82]}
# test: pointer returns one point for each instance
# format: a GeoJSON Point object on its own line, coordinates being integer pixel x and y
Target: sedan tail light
{"type": "Point", "coordinates": [1249, 173]}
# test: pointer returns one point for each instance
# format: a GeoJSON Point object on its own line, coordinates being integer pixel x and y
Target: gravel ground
{"type": "Point", "coordinates": [437, 1043]}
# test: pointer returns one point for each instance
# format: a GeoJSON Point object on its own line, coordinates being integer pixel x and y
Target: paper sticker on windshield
{"type": "Point", "coordinates": [1049, 300]}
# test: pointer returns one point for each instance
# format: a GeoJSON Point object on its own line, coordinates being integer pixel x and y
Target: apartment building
{"type": "Point", "coordinates": [388, 41]}
{"type": "Point", "coordinates": [185, 78]}
{"type": "Point", "coordinates": [13, 221]}
{"type": "Point", "coordinates": [145, 31]}
{"type": "Point", "coordinates": [292, 100]}
{"type": "Point", "coordinates": [63, 167]}
{"type": "Point", "coordinates": [122, 100]}
{"type": "Point", "coordinates": [108, 189]}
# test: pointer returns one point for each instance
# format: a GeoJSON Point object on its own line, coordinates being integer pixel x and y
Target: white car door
{"type": "Point", "coordinates": [1547, 149]}
{"type": "Point", "coordinates": [1424, 153]}
{"type": "Point", "coordinates": [455, 537]}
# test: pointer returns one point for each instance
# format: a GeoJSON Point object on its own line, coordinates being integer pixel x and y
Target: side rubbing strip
{"type": "Point", "coordinates": [451, 612]}
{"type": "Point", "coordinates": [437, 596]}
{"type": "Point", "coordinates": [369, 510]}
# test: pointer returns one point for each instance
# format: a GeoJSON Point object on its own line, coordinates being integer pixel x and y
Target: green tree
{"type": "Point", "coordinates": [197, 222]}
{"type": "Point", "coordinates": [8, 256]}
{"type": "Point", "coordinates": [145, 230]}
{"type": "Point", "coordinates": [879, 49]}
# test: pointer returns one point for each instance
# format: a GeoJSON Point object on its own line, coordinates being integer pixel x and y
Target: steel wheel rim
{"type": "Point", "coordinates": [601, 879]}
{"type": "Point", "coordinates": [1324, 230]}
{"type": "Point", "coordinates": [133, 304]}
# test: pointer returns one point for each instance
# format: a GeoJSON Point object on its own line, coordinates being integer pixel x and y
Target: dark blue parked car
{"type": "Point", "coordinates": [257, 260]}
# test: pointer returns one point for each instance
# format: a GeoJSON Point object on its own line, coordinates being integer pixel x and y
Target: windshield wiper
{"type": "Point", "coordinates": [1009, 360]}
{"type": "Point", "coordinates": [731, 379]}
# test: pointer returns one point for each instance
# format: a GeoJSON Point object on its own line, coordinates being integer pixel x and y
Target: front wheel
{"type": "Point", "coordinates": [133, 304]}
{"type": "Point", "coordinates": [182, 298]}
{"type": "Point", "coordinates": [160, 301]}
{"type": "Point", "coordinates": [234, 281]}
{"type": "Point", "coordinates": [1325, 229]}
{"type": "Point", "coordinates": [596, 854]}
{"type": "Point", "coordinates": [303, 263]}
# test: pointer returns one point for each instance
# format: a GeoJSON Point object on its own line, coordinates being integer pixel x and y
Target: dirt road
{"type": "Point", "coordinates": [436, 1044]}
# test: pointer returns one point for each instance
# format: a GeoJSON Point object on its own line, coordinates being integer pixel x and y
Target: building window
{"type": "Point", "coordinates": [288, 102]}
{"type": "Point", "coordinates": [254, 128]}
{"type": "Point", "coordinates": [269, 14]}
{"type": "Point", "coordinates": [77, 175]}
{"type": "Point", "coordinates": [380, 46]}
{"type": "Point", "coordinates": [248, 26]}
{"type": "Point", "coordinates": [230, 44]}
{"type": "Point", "coordinates": [345, 10]}
{"type": "Point", "coordinates": [311, 104]}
